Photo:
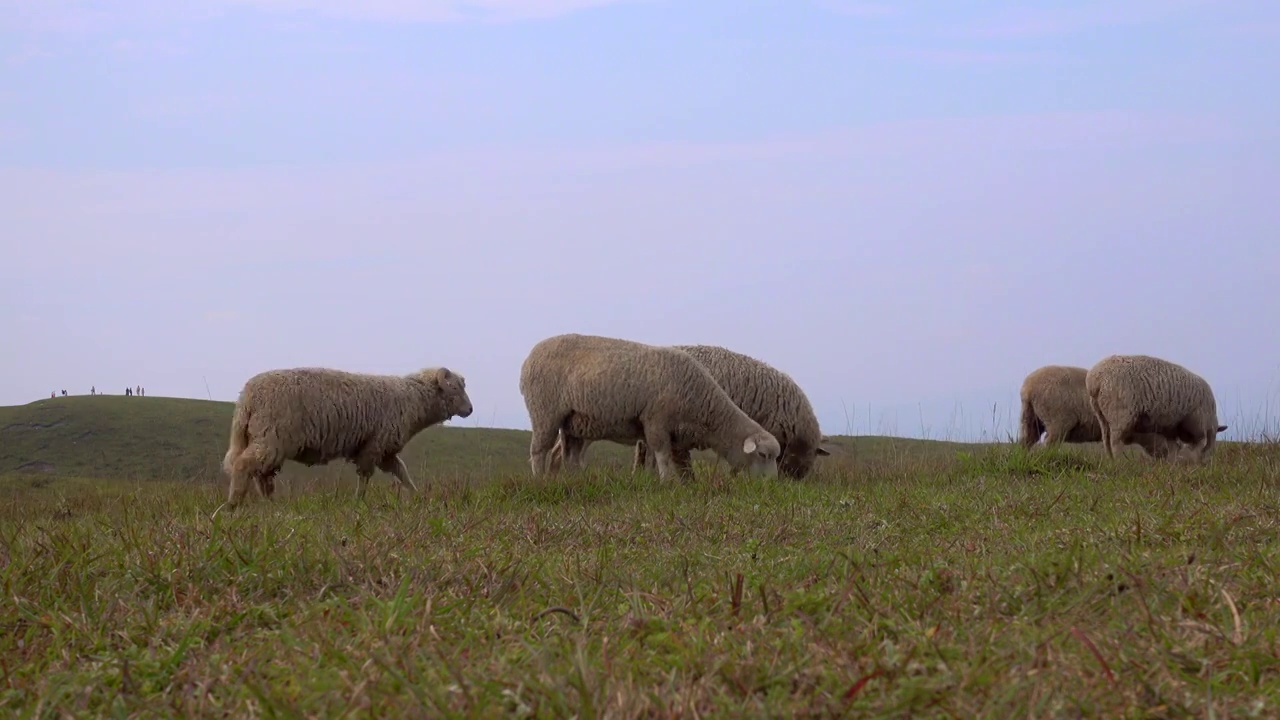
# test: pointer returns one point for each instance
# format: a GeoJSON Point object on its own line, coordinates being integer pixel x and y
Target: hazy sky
{"type": "Point", "coordinates": [905, 205]}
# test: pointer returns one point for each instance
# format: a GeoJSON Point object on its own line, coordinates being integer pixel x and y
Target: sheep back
{"type": "Point", "coordinates": [1054, 401]}
{"type": "Point", "coordinates": [771, 398]}
{"type": "Point", "coordinates": [600, 388]}
{"type": "Point", "coordinates": [1134, 394]}
{"type": "Point", "coordinates": [316, 415]}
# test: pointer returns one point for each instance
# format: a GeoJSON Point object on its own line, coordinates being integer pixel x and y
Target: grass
{"type": "Point", "coordinates": [905, 579]}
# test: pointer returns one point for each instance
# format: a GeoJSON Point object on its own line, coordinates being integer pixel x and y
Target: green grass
{"type": "Point", "coordinates": [905, 579]}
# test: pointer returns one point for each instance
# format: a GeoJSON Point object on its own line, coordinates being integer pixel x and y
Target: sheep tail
{"type": "Point", "coordinates": [1032, 426]}
{"type": "Point", "coordinates": [239, 437]}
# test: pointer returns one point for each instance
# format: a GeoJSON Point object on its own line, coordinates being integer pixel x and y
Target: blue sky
{"type": "Point", "coordinates": [905, 205]}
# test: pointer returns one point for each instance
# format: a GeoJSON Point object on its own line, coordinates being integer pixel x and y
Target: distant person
{"type": "Point", "coordinates": [53, 395]}
{"type": "Point", "coordinates": [144, 392]}
{"type": "Point", "coordinates": [93, 390]}
{"type": "Point", "coordinates": [138, 390]}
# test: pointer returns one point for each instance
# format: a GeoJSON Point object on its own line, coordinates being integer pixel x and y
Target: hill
{"type": "Point", "coordinates": [159, 438]}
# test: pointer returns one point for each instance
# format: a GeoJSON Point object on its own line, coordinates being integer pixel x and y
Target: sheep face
{"type": "Point", "coordinates": [797, 462]}
{"type": "Point", "coordinates": [758, 455]}
{"type": "Point", "coordinates": [453, 392]}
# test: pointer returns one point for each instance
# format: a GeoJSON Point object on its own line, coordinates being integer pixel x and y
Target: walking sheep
{"type": "Point", "coordinates": [1137, 396]}
{"type": "Point", "coordinates": [587, 387]}
{"type": "Point", "coordinates": [766, 394]}
{"type": "Point", "coordinates": [316, 415]}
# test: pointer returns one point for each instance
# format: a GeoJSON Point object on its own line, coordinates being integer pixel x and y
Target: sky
{"type": "Point", "coordinates": [907, 206]}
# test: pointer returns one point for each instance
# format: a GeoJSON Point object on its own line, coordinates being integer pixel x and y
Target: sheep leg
{"type": "Point", "coordinates": [266, 483]}
{"type": "Point", "coordinates": [659, 442]}
{"type": "Point", "coordinates": [540, 445]}
{"type": "Point", "coordinates": [641, 457]}
{"type": "Point", "coordinates": [644, 457]}
{"type": "Point", "coordinates": [1152, 444]}
{"type": "Point", "coordinates": [365, 462]}
{"type": "Point", "coordinates": [394, 465]}
{"type": "Point", "coordinates": [1054, 436]}
{"type": "Point", "coordinates": [1121, 433]}
{"type": "Point", "coordinates": [248, 466]}
{"type": "Point", "coordinates": [572, 451]}
{"type": "Point", "coordinates": [1103, 424]}
{"type": "Point", "coordinates": [239, 487]}
{"type": "Point", "coordinates": [1106, 436]}
{"type": "Point", "coordinates": [667, 467]}
{"type": "Point", "coordinates": [555, 459]}
{"type": "Point", "coordinates": [684, 461]}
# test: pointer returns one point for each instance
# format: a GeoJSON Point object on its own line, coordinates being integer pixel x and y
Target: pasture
{"type": "Point", "coordinates": [907, 578]}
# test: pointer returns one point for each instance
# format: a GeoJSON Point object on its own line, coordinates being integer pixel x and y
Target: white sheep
{"type": "Point", "coordinates": [588, 387]}
{"type": "Point", "coordinates": [766, 394]}
{"type": "Point", "coordinates": [1137, 396]}
{"type": "Point", "coordinates": [315, 415]}
{"type": "Point", "coordinates": [1055, 403]}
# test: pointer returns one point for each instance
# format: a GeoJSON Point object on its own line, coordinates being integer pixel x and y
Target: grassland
{"type": "Point", "coordinates": [907, 578]}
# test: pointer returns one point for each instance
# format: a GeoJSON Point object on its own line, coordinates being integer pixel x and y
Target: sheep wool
{"type": "Point", "coordinates": [580, 388]}
{"type": "Point", "coordinates": [771, 398]}
{"type": "Point", "coordinates": [1133, 395]}
{"type": "Point", "coordinates": [1054, 402]}
{"type": "Point", "coordinates": [315, 415]}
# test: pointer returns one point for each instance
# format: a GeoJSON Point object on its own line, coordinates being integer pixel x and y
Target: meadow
{"type": "Point", "coordinates": [906, 578]}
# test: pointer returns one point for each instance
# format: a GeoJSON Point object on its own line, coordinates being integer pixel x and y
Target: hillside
{"type": "Point", "coordinates": [162, 438]}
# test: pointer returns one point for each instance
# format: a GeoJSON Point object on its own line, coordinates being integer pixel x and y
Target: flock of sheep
{"type": "Point", "coordinates": [668, 402]}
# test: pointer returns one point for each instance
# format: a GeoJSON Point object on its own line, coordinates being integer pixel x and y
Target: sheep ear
{"type": "Point", "coordinates": [1221, 428]}
{"type": "Point", "coordinates": [443, 374]}
{"type": "Point", "coordinates": [749, 446]}
{"type": "Point", "coordinates": [823, 451]}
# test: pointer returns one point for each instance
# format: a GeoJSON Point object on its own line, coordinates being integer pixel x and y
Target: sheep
{"type": "Point", "coordinates": [315, 415]}
{"type": "Point", "coordinates": [580, 388]}
{"type": "Point", "coordinates": [1135, 397]}
{"type": "Point", "coordinates": [768, 395]}
{"type": "Point", "coordinates": [1054, 402]}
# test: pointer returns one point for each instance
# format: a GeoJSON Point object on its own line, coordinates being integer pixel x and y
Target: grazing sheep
{"type": "Point", "coordinates": [769, 396]}
{"type": "Point", "coordinates": [1135, 397]}
{"type": "Point", "coordinates": [316, 415]}
{"type": "Point", "coordinates": [588, 387]}
{"type": "Point", "coordinates": [1054, 402]}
